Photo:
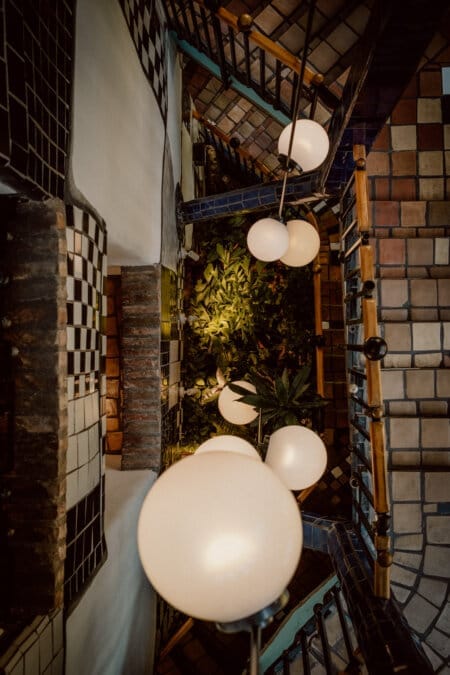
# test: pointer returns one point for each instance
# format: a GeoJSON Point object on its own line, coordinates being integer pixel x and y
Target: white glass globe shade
{"type": "Point", "coordinates": [304, 243]}
{"type": "Point", "coordinates": [297, 455]}
{"type": "Point", "coordinates": [219, 536]}
{"type": "Point", "coordinates": [228, 443]}
{"type": "Point", "coordinates": [310, 144]}
{"type": "Point", "coordinates": [267, 239]}
{"type": "Point", "coordinates": [235, 411]}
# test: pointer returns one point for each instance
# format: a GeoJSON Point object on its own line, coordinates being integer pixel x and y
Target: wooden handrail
{"type": "Point", "coordinates": [269, 46]}
{"type": "Point", "coordinates": [226, 139]}
{"type": "Point", "coordinates": [374, 389]}
{"type": "Point", "coordinates": [176, 637]}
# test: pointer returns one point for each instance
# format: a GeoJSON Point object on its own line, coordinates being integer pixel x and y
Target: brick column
{"type": "Point", "coordinates": [33, 486]}
{"type": "Point", "coordinates": [140, 346]}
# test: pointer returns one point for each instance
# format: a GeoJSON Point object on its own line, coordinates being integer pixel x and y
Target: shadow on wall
{"type": "Point", "coordinates": [111, 630]}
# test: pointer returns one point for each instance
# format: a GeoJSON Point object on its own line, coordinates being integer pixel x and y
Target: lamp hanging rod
{"type": "Point", "coordinates": [297, 99]}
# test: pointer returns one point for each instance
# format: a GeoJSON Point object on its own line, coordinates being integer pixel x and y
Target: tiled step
{"type": "Point", "coordinates": [414, 392]}
{"type": "Point", "coordinates": [419, 258]}
{"type": "Point", "coordinates": [413, 299]}
{"type": "Point", "coordinates": [416, 344]}
{"type": "Point", "coordinates": [418, 441]}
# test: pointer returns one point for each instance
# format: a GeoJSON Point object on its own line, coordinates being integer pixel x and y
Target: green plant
{"type": "Point", "coordinates": [282, 400]}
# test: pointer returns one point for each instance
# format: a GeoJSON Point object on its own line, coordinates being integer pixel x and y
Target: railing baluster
{"type": "Point", "coordinates": [206, 31]}
{"type": "Point", "coordinates": [232, 49]}
{"type": "Point", "coordinates": [277, 84]}
{"type": "Point", "coordinates": [248, 74]}
{"type": "Point", "coordinates": [305, 653]}
{"type": "Point", "coordinates": [319, 612]}
{"type": "Point", "coordinates": [262, 71]}
{"type": "Point", "coordinates": [195, 30]}
{"type": "Point", "coordinates": [344, 626]}
{"type": "Point", "coordinates": [294, 89]}
{"type": "Point", "coordinates": [176, 19]}
{"type": "Point", "coordinates": [186, 30]}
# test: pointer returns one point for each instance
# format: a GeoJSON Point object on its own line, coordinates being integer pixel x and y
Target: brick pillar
{"type": "Point", "coordinates": [140, 347]}
{"type": "Point", "coordinates": [34, 483]}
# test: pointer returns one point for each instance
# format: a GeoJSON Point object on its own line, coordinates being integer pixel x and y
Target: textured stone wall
{"type": "Point", "coordinates": [35, 484]}
{"type": "Point", "coordinates": [140, 346]}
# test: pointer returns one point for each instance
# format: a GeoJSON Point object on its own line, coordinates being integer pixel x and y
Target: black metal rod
{"type": "Point", "coordinates": [364, 433]}
{"type": "Point", "coordinates": [344, 626]}
{"type": "Point", "coordinates": [176, 19]}
{"type": "Point", "coordinates": [232, 49]}
{"type": "Point", "coordinates": [248, 74]}
{"type": "Point", "coordinates": [262, 71]}
{"type": "Point", "coordinates": [187, 30]}
{"type": "Point", "coordinates": [362, 458]}
{"type": "Point", "coordinates": [368, 495]}
{"type": "Point", "coordinates": [363, 518]}
{"type": "Point", "coordinates": [305, 653]}
{"type": "Point", "coordinates": [277, 84]}
{"type": "Point", "coordinates": [318, 611]}
{"type": "Point", "coordinates": [206, 31]}
{"type": "Point", "coordinates": [220, 51]}
{"type": "Point", "coordinates": [196, 33]}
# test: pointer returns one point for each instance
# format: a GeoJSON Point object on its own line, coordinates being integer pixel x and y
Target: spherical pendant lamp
{"type": "Point", "coordinates": [297, 455]}
{"type": "Point", "coordinates": [267, 239]}
{"type": "Point", "coordinates": [310, 144]}
{"type": "Point", "coordinates": [304, 243]}
{"type": "Point", "coordinates": [235, 411]}
{"type": "Point", "coordinates": [227, 443]}
{"type": "Point", "coordinates": [219, 536]}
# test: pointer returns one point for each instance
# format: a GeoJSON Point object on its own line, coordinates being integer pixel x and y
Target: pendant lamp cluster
{"type": "Point", "coordinates": [302, 143]}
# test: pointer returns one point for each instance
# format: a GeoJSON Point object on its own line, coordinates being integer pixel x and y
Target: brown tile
{"type": "Point", "coordinates": [431, 163]}
{"type": "Point", "coordinates": [431, 188]}
{"type": "Point", "coordinates": [381, 188]}
{"type": "Point", "coordinates": [429, 137]}
{"type": "Point", "coordinates": [404, 188]}
{"type": "Point", "coordinates": [429, 110]}
{"type": "Point", "coordinates": [404, 163]}
{"type": "Point", "coordinates": [403, 137]}
{"type": "Point", "coordinates": [430, 83]}
{"type": "Point", "coordinates": [268, 20]}
{"type": "Point", "coordinates": [405, 112]}
{"type": "Point", "coordinates": [392, 251]}
{"type": "Point", "coordinates": [385, 213]}
{"type": "Point", "coordinates": [420, 252]}
{"type": "Point", "coordinates": [382, 141]}
{"type": "Point", "coordinates": [378, 164]}
{"type": "Point", "coordinates": [413, 213]}
{"type": "Point", "coordinates": [439, 213]}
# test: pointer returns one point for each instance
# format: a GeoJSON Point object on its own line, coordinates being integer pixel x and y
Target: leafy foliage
{"type": "Point", "coordinates": [245, 317]}
{"type": "Point", "coordinates": [282, 400]}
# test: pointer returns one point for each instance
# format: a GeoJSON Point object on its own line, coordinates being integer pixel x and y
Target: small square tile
{"type": "Point", "coordinates": [404, 137]}
{"type": "Point", "coordinates": [429, 110]}
{"type": "Point", "coordinates": [431, 163]}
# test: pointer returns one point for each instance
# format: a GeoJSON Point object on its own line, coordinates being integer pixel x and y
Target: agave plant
{"type": "Point", "coordinates": [282, 400]}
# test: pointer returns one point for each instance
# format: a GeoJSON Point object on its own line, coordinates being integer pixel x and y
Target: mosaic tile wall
{"type": "Point", "coordinates": [86, 384]}
{"type": "Point", "coordinates": [36, 43]}
{"type": "Point", "coordinates": [38, 649]}
{"type": "Point", "coordinates": [171, 354]}
{"type": "Point", "coordinates": [146, 22]}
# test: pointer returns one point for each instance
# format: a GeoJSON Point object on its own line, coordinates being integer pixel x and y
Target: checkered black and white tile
{"type": "Point", "coordinates": [86, 389]}
{"type": "Point", "coordinates": [146, 22]}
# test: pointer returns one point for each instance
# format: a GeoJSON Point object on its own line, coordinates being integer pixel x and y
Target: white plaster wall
{"type": "Point", "coordinates": [174, 108]}
{"type": "Point", "coordinates": [111, 630]}
{"type": "Point", "coordinates": [118, 134]}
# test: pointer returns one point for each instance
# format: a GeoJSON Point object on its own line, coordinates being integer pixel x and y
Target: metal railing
{"type": "Point", "coordinates": [364, 351]}
{"type": "Point", "coordinates": [250, 57]}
